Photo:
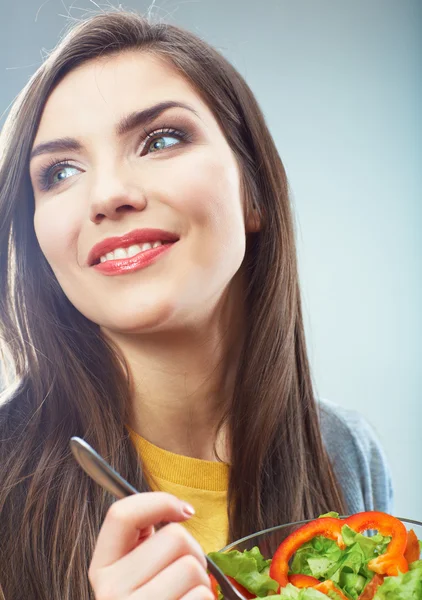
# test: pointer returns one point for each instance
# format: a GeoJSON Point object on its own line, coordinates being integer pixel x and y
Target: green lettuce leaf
{"type": "Point", "coordinates": [290, 592]}
{"type": "Point", "coordinates": [316, 557]}
{"type": "Point", "coordinates": [406, 586]}
{"type": "Point", "coordinates": [249, 568]}
{"type": "Point", "coordinates": [348, 569]}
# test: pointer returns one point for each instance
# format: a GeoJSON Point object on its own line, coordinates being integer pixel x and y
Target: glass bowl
{"type": "Point", "coordinates": [268, 540]}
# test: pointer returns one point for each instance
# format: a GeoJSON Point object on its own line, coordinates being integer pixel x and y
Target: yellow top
{"type": "Point", "coordinates": [201, 483]}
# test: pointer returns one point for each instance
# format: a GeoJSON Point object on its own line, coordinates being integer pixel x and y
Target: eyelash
{"type": "Point", "coordinates": [46, 172]}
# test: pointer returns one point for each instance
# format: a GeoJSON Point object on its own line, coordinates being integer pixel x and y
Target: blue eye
{"type": "Point", "coordinates": [60, 171]}
{"type": "Point", "coordinates": [155, 140]}
{"type": "Point", "coordinates": [47, 177]}
{"type": "Point", "coordinates": [158, 144]}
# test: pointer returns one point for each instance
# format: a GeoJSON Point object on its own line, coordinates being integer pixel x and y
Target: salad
{"type": "Point", "coordinates": [331, 557]}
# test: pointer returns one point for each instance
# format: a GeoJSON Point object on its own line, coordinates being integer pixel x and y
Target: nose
{"type": "Point", "coordinates": [115, 193]}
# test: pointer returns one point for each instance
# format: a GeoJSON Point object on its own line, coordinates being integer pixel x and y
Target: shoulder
{"type": "Point", "coordinates": [357, 457]}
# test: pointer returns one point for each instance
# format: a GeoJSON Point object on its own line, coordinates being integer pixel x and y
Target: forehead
{"type": "Point", "coordinates": [102, 90]}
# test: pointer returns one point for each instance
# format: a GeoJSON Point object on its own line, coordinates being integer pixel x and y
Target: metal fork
{"type": "Point", "coordinates": [100, 471]}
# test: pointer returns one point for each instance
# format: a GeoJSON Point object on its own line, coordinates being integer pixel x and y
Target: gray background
{"type": "Point", "coordinates": [340, 85]}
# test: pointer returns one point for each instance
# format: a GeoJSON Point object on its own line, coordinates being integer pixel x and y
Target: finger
{"type": "Point", "coordinates": [199, 593]}
{"type": "Point", "coordinates": [148, 560]}
{"type": "Point", "coordinates": [175, 581]}
{"type": "Point", "coordinates": [125, 518]}
{"type": "Point", "coordinates": [145, 533]}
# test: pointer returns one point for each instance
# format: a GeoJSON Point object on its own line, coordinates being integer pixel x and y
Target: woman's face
{"type": "Point", "coordinates": [115, 183]}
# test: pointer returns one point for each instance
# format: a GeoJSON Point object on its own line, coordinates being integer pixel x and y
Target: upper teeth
{"type": "Point", "coordinates": [131, 251]}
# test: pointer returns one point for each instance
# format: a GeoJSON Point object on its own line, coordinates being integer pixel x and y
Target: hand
{"type": "Point", "coordinates": [133, 562]}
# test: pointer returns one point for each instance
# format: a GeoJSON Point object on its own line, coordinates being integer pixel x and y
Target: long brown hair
{"type": "Point", "coordinates": [66, 379]}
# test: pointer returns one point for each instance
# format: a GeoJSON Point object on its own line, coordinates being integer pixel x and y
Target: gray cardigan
{"type": "Point", "coordinates": [357, 457]}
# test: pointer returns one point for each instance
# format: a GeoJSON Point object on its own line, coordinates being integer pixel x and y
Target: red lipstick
{"type": "Point", "coordinates": [133, 263]}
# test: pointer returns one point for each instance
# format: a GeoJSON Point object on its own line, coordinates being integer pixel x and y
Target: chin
{"type": "Point", "coordinates": [147, 319]}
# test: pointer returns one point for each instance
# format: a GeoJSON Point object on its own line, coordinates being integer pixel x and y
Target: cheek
{"type": "Point", "coordinates": [208, 195]}
{"type": "Point", "coordinates": [208, 191]}
{"type": "Point", "coordinates": [56, 231]}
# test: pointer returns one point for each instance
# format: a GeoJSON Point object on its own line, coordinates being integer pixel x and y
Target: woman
{"type": "Point", "coordinates": [183, 362]}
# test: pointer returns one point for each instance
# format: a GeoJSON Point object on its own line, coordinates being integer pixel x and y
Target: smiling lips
{"type": "Point", "coordinates": [133, 251]}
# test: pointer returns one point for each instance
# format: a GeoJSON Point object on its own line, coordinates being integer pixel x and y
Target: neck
{"type": "Point", "coordinates": [181, 384]}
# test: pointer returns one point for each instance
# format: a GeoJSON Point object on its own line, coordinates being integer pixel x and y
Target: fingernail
{"type": "Point", "coordinates": [188, 510]}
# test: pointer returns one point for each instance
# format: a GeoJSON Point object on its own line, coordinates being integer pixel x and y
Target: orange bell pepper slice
{"type": "Point", "coordinates": [306, 581]}
{"type": "Point", "coordinates": [413, 550]}
{"type": "Point", "coordinates": [371, 587]}
{"type": "Point", "coordinates": [303, 581]}
{"type": "Point", "coordinates": [215, 587]}
{"type": "Point", "coordinates": [328, 586]}
{"type": "Point", "coordinates": [326, 526]}
{"type": "Point", "coordinates": [240, 588]}
{"type": "Point", "coordinates": [393, 560]}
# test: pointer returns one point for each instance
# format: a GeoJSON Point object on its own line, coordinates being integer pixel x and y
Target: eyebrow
{"type": "Point", "coordinates": [125, 125]}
